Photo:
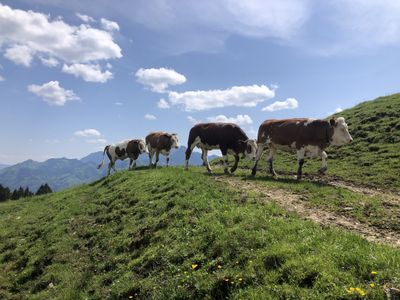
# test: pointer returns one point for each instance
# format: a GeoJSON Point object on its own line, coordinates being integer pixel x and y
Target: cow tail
{"type": "Point", "coordinates": [102, 161]}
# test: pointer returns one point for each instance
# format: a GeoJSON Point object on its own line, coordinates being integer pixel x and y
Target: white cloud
{"type": "Point", "coordinates": [96, 141]}
{"type": "Point", "coordinates": [159, 79]}
{"type": "Point", "coordinates": [84, 18]}
{"type": "Point", "coordinates": [239, 119]}
{"type": "Point", "coordinates": [241, 96]}
{"type": "Point", "coordinates": [150, 117]}
{"type": "Point", "coordinates": [193, 120]}
{"type": "Point", "coordinates": [20, 54]}
{"type": "Point", "coordinates": [338, 110]}
{"type": "Point", "coordinates": [119, 103]}
{"type": "Point", "coordinates": [289, 103]}
{"type": "Point", "coordinates": [88, 133]}
{"type": "Point", "coordinates": [52, 93]}
{"type": "Point", "coordinates": [24, 34]}
{"type": "Point", "coordinates": [90, 73]}
{"type": "Point", "coordinates": [1, 78]}
{"type": "Point", "coordinates": [201, 25]}
{"type": "Point", "coordinates": [368, 22]}
{"type": "Point", "coordinates": [50, 61]}
{"type": "Point", "coordinates": [163, 104]}
{"type": "Point", "coordinates": [109, 25]}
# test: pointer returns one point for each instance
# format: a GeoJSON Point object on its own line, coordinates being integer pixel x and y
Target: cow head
{"type": "Point", "coordinates": [249, 148]}
{"type": "Point", "coordinates": [142, 146]}
{"type": "Point", "coordinates": [341, 135]}
{"type": "Point", "coordinates": [174, 141]}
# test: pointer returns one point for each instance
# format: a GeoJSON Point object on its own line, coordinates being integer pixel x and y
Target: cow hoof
{"type": "Point", "coordinates": [233, 170]}
{"type": "Point", "coordinates": [253, 172]}
{"type": "Point", "coordinates": [226, 171]}
{"type": "Point", "coordinates": [322, 171]}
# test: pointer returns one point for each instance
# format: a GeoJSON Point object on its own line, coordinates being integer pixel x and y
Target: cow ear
{"type": "Point", "coordinates": [332, 122]}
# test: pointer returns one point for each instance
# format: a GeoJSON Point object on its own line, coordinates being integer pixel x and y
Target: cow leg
{"type": "Point", "coordinates": [204, 156]}
{"type": "Point", "coordinates": [189, 150]}
{"type": "Point", "coordinates": [272, 152]}
{"type": "Point", "coordinates": [300, 159]}
{"type": "Point", "coordinates": [167, 159]}
{"type": "Point", "coordinates": [130, 163]}
{"type": "Point", "coordinates": [157, 158]}
{"type": "Point", "coordinates": [132, 166]}
{"type": "Point", "coordinates": [260, 149]}
{"type": "Point", "coordinates": [234, 167]}
{"type": "Point", "coordinates": [111, 165]}
{"type": "Point", "coordinates": [109, 168]}
{"type": "Point", "coordinates": [188, 153]}
{"type": "Point", "coordinates": [324, 165]}
{"type": "Point", "coordinates": [225, 159]}
{"type": "Point", "coordinates": [150, 158]}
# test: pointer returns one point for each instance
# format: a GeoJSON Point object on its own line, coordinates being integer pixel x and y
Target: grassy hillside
{"type": "Point", "coordinates": [372, 159]}
{"type": "Point", "coordinates": [167, 233]}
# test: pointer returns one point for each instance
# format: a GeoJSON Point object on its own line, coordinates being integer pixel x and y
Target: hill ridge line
{"type": "Point", "coordinates": [293, 203]}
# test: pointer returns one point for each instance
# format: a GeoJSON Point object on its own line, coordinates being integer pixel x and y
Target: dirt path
{"type": "Point", "coordinates": [369, 191]}
{"type": "Point", "coordinates": [292, 202]}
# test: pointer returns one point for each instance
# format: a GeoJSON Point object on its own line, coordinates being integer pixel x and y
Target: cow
{"type": "Point", "coordinates": [123, 150]}
{"type": "Point", "coordinates": [308, 137]}
{"type": "Point", "coordinates": [160, 142]}
{"type": "Point", "coordinates": [227, 137]}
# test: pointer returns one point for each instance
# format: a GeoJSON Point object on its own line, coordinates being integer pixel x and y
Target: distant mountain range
{"type": "Point", "coordinates": [2, 166]}
{"type": "Point", "coordinates": [61, 173]}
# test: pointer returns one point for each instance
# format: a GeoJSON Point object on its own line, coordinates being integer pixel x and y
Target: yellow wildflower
{"type": "Point", "coordinates": [219, 267]}
{"type": "Point", "coordinates": [130, 297]}
{"type": "Point", "coordinates": [372, 285]}
{"type": "Point", "coordinates": [194, 266]}
{"type": "Point", "coordinates": [240, 279]}
{"type": "Point", "coordinates": [374, 273]}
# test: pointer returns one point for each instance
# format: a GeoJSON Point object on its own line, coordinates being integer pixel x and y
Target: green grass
{"type": "Point", "coordinates": [373, 159]}
{"type": "Point", "coordinates": [138, 234]}
{"type": "Point", "coordinates": [378, 211]}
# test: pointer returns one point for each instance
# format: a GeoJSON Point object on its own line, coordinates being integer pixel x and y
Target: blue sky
{"type": "Point", "coordinates": [77, 75]}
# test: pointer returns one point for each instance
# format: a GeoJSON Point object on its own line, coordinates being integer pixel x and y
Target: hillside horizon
{"type": "Point", "coordinates": [61, 173]}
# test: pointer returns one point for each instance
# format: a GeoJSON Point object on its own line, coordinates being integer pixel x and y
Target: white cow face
{"type": "Point", "coordinates": [142, 146]}
{"type": "Point", "coordinates": [251, 149]}
{"type": "Point", "coordinates": [175, 141]}
{"type": "Point", "coordinates": [341, 135]}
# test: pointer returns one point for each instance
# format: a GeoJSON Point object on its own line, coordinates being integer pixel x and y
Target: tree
{"type": "Point", "coordinates": [27, 192]}
{"type": "Point", "coordinates": [4, 193]}
{"type": "Point", "coordinates": [15, 195]}
{"type": "Point", "coordinates": [44, 189]}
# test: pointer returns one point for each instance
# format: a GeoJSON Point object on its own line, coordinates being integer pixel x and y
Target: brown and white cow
{"type": "Point", "coordinates": [123, 150]}
{"type": "Point", "coordinates": [161, 142]}
{"type": "Point", "coordinates": [308, 137]}
{"type": "Point", "coordinates": [227, 137]}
